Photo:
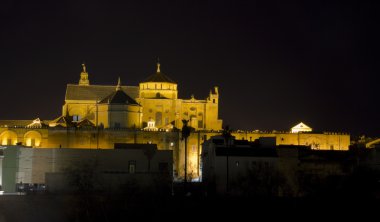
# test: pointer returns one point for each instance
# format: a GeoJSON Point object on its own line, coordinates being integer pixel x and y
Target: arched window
{"type": "Point", "coordinates": [158, 118]}
{"type": "Point", "coordinates": [32, 138]}
{"type": "Point", "coordinates": [8, 137]}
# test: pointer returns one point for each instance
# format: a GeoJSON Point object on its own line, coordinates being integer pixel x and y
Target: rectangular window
{"type": "Point", "coordinates": [200, 123]}
{"type": "Point", "coordinates": [193, 148]}
{"type": "Point", "coordinates": [76, 118]}
{"type": "Point", "coordinates": [117, 125]}
{"type": "Point", "coordinates": [132, 166]}
{"type": "Point", "coordinates": [158, 118]}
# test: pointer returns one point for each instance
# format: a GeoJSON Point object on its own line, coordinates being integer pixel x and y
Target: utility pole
{"type": "Point", "coordinates": [198, 154]}
{"type": "Point", "coordinates": [185, 135]}
{"type": "Point", "coordinates": [97, 125]}
{"type": "Point", "coordinates": [227, 135]}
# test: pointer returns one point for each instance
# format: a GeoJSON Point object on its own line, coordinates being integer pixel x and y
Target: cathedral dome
{"type": "Point", "coordinates": [159, 77]}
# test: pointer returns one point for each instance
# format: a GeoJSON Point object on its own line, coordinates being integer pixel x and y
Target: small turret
{"type": "Point", "coordinates": [158, 66]}
{"type": "Point", "coordinates": [214, 96]}
{"type": "Point", "coordinates": [84, 81]}
{"type": "Point", "coordinates": [216, 90]}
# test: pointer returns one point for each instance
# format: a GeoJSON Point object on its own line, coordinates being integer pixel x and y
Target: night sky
{"type": "Point", "coordinates": [276, 62]}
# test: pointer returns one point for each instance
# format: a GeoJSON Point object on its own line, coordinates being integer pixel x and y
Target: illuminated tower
{"type": "Point", "coordinates": [158, 96]}
{"type": "Point", "coordinates": [212, 120]}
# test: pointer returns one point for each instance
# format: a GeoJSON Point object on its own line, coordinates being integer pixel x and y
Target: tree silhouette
{"type": "Point", "coordinates": [185, 134]}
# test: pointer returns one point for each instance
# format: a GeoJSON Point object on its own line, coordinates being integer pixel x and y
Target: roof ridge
{"type": "Point", "coordinates": [98, 85]}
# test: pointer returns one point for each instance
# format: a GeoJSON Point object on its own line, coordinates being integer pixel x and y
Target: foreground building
{"type": "Point", "coordinates": [240, 167]}
{"type": "Point", "coordinates": [66, 169]}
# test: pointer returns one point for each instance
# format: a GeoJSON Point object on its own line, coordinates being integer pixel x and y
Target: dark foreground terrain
{"type": "Point", "coordinates": [107, 207]}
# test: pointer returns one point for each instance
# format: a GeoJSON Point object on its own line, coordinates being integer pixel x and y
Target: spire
{"type": "Point", "coordinates": [84, 81]}
{"type": "Point", "coordinates": [158, 65]}
{"type": "Point", "coordinates": [118, 87]}
{"type": "Point", "coordinates": [84, 67]}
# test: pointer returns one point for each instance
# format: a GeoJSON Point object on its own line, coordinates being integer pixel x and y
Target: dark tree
{"type": "Point", "coordinates": [185, 134]}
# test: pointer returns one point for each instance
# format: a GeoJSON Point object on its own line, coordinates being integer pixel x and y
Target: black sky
{"type": "Point", "coordinates": [276, 62]}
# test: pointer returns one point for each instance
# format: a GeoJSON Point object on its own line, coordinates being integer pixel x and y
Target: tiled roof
{"type": "Point", "coordinates": [159, 77]}
{"type": "Point", "coordinates": [61, 121]}
{"type": "Point", "coordinates": [85, 123]}
{"type": "Point", "coordinates": [96, 92]}
{"type": "Point", "coordinates": [118, 97]}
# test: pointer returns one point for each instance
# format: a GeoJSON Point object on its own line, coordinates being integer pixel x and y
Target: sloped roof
{"type": "Point", "coordinates": [159, 77]}
{"type": "Point", "coordinates": [20, 123]}
{"type": "Point", "coordinates": [85, 123]}
{"type": "Point", "coordinates": [37, 123]}
{"type": "Point", "coordinates": [66, 121]}
{"type": "Point", "coordinates": [118, 97]}
{"type": "Point", "coordinates": [61, 121]}
{"type": "Point", "coordinates": [96, 92]}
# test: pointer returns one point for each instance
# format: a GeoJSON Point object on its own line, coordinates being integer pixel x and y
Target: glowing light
{"type": "Point", "coordinates": [28, 142]}
{"type": "Point", "coordinates": [301, 127]}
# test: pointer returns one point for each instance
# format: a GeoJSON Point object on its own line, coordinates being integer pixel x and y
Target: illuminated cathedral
{"type": "Point", "coordinates": [154, 105]}
{"type": "Point", "coordinates": [99, 116]}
